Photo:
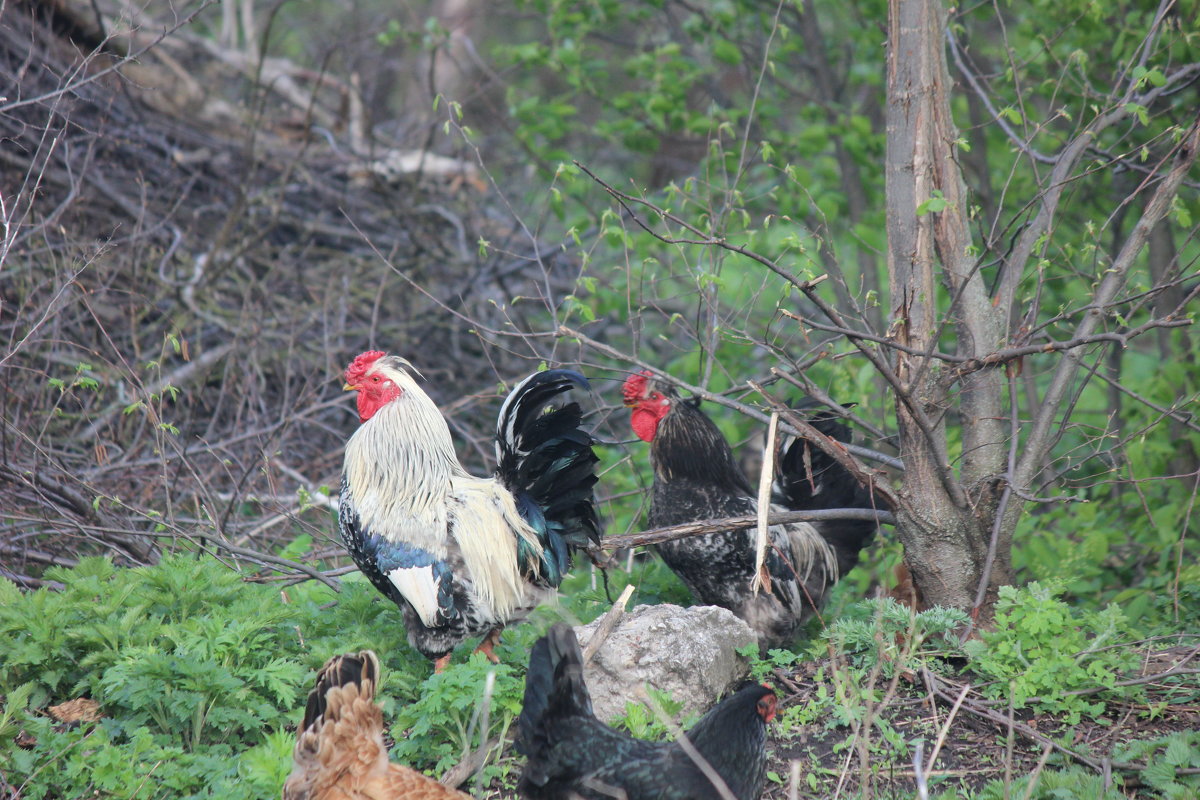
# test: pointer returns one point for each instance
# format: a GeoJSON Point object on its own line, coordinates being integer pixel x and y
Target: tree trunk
{"type": "Point", "coordinates": [946, 545]}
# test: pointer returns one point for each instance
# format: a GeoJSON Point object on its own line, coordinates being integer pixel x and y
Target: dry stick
{"type": "Point", "coordinates": [457, 775]}
{"type": "Point", "coordinates": [607, 624]}
{"type": "Point", "coordinates": [765, 479]}
{"type": "Point", "coordinates": [292, 580]}
{"type": "Point", "coordinates": [919, 773]}
{"type": "Point", "coordinates": [1009, 743]}
{"type": "Point", "coordinates": [30, 582]}
{"type": "Point", "coordinates": [269, 561]}
{"type": "Point", "coordinates": [1037, 771]}
{"type": "Point", "coordinates": [794, 781]}
{"type": "Point", "coordinates": [1001, 719]}
{"type": "Point", "coordinates": [489, 687]}
{"type": "Point", "coordinates": [673, 532]}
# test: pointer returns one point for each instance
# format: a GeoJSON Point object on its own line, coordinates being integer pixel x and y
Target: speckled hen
{"type": "Point", "coordinates": [696, 478]}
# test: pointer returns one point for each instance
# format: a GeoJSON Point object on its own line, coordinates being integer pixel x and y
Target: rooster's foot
{"type": "Point", "coordinates": [440, 664]}
{"type": "Point", "coordinates": [488, 644]}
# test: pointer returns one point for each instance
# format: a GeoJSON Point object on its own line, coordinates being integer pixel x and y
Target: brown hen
{"type": "Point", "coordinates": [340, 753]}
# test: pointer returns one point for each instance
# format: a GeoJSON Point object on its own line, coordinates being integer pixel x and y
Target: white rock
{"type": "Point", "coordinates": [689, 653]}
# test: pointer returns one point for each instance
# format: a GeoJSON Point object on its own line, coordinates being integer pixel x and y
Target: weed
{"type": "Point", "coordinates": [1047, 654]}
{"type": "Point", "coordinates": [644, 723]}
{"type": "Point", "coordinates": [198, 676]}
{"type": "Point", "coordinates": [889, 634]}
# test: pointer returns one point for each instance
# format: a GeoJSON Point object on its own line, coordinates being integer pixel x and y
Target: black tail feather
{"type": "Point", "coordinates": [554, 688]}
{"type": "Point", "coordinates": [809, 479]}
{"type": "Point", "coordinates": [545, 457]}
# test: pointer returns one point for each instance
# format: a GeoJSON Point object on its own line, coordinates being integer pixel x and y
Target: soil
{"type": "Point", "coordinates": [974, 740]}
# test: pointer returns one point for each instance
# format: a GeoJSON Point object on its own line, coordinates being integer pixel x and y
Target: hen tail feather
{"type": "Point", "coordinates": [810, 479]}
{"type": "Point", "coordinates": [556, 699]}
{"type": "Point", "coordinates": [351, 669]}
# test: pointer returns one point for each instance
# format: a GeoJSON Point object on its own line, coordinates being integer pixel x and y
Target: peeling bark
{"type": "Point", "coordinates": [957, 519]}
{"type": "Point", "coordinates": [928, 250]}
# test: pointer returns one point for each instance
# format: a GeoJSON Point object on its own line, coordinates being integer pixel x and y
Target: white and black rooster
{"type": "Point", "coordinates": [463, 556]}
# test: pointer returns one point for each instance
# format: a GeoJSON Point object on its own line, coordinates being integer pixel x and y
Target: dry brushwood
{"type": "Point", "coordinates": [192, 245]}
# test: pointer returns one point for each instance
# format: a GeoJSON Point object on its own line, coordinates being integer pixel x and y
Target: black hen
{"type": "Point", "coordinates": [696, 478]}
{"type": "Point", "coordinates": [572, 754]}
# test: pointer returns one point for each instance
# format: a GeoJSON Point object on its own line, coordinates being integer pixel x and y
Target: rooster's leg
{"type": "Point", "coordinates": [440, 664]}
{"type": "Point", "coordinates": [489, 642]}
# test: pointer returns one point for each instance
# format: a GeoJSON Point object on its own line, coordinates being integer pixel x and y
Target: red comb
{"type": "Point", "coordinates": [635, 387]}
{"type": "Point", "coordinates": [361, 363]}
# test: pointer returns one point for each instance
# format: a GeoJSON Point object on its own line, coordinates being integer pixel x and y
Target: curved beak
{"type": "Point", "coordinates": [346, 387]}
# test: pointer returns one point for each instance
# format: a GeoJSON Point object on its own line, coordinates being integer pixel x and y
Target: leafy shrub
{"type": "Point", "coordinates": [761, 668]}
{"type": "Point", "coordinates": [1042, 649]}
{"type": "Point", "coordinates": [198, 674]}
{"type": "Point", "coordinates": [884, 631]}
{"type": "Point", "coordinates": [1075, 783]}
{"type": "Point", "coordinates": [440, 726]}
{"type": "Point", "coordinates": [645, 723]}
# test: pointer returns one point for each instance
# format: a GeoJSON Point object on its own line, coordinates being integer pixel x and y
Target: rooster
{"type": "Point", "coordinates": [696, 478]}
{"type": "Point", "coordinates": [460, 555]}
{"type": "Point", "coordinates": [572, 754]}
{"type": "Point", "coordinates": [339, 752]}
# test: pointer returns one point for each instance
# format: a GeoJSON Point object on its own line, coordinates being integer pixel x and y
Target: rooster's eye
{"type": "Point", "coordinates": [375, 378]}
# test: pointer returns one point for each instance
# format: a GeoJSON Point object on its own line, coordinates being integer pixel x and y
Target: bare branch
{"type": "Point", "coordinates": [999, 357]}
{"type": "Point", "coordinates": [670, 534]}
{"type": "Point", "coordinates": [719, 399]}
{"type": "Point", "coordinates": [1038, 439]}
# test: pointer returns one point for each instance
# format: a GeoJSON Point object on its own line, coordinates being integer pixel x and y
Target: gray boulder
{"type": "Point", "coordinates": [689, 653]}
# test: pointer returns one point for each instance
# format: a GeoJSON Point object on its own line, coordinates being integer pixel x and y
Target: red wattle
{"type": "Point", "coordinates": [644, 423]}
{"type": "Point", "coordinates": [371, 400]}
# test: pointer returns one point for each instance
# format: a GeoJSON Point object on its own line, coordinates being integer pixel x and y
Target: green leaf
{"type": "Point", "coordinates": [1139, 111]}
{"type": "Point", "coordinates": [933, 205]}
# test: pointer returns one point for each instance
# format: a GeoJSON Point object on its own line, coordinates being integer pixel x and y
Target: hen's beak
{"type": "Point", "coordinates": [348, 388]}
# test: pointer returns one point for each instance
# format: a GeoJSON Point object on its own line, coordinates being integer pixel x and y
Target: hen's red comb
{"type": "Point", "coordinates": [635, 387]}
{"type": "Point", "coordinates": [361, 363]}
